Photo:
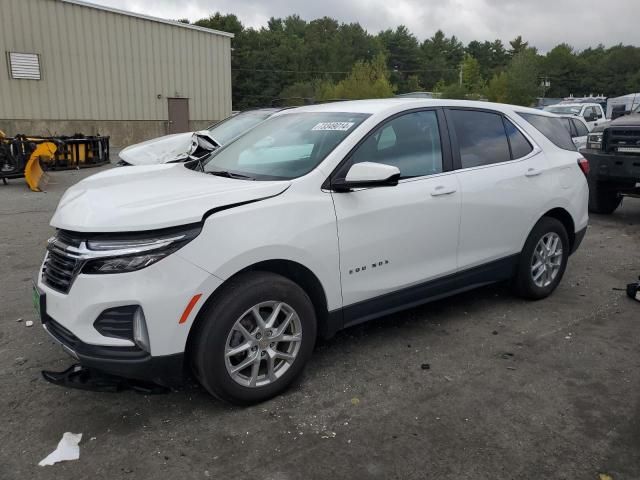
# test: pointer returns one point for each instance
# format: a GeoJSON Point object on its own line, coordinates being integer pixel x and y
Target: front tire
{"type": "Point", "coordinates": [255, 338]}
{"type": "Point", "coordinates": [543, 260]}
{"type": "Point", "coordinates": [602, 198]}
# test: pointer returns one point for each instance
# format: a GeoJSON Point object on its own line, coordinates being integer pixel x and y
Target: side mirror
{"type": "Point", "coordinates": [367, 175]}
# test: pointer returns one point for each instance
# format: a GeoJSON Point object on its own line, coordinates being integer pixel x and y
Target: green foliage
{"type": "Point", "coordinates": [413, 84]}
{"type": "Point", "coordinates": [497, 89]}
{"type": "Point", "coordinates": [454, 91]}
{"type": "Point", "coordinates": [472, 80]}
{"type": "Point", "coordinates": [299, 93]}
{"type": "Point", "coordinates": [366, 80]}
{"type": "Point", "coordinates": [322, 58]}
{"type": "Point", "coordinates": [518, 84]}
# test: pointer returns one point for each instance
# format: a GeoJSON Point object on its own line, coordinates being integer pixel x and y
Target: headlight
{"type": "Point", "coordinates": [594, 141]}
{"type": "Point", "coordinates": [121, 253]}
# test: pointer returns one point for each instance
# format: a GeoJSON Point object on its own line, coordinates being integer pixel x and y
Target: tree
{"type": "Point", "coordinates": [498, 88]}
{"type": "Point", "coordinates": [403, 54]}
{"type": "Point", "coordinates": [226, 23]}
{"type": "Point", "coordinates": [471, 77]}
{"type": "Point", "coordinates": [563, 68]}
{"type": "Point", "coordinates": [292, 52]}
{"type": "Point", "coordinates": [522, 78]}
{"type": "Point", "coordinates": [441, 57]}
{"type": "Point", "coordinates": [366, 80]}
{"type": "Point", "coordinates": [517, 46]}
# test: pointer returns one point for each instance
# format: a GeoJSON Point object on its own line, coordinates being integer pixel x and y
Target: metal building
{"type": "Point", "coordinates": [73, 66]}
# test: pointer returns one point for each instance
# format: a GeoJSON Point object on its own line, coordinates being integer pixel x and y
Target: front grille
{"type": "Point", "coordinates": [61, 267]}
{"type": "Point", "coordinates": [616, 137]}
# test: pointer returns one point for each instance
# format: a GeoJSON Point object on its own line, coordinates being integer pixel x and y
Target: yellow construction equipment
{"type": "Point", "coordinates": [29, 157]}
{"type": "Point", "coordinates": [33, 173]}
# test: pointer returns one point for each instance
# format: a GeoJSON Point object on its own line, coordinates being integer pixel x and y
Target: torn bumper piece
{"type": "Point", "coordinates": [82, 378]}
{"type": "Point", "coordinates": [131, 363]}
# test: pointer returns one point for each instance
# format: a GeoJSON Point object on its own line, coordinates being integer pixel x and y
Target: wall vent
{"type": "Point", "coordinates": [24, 65]}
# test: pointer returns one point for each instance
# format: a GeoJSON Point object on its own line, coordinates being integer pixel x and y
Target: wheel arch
{"type": "Point", "coordinates": [294, 271]}
{"type": "Point", "coordinates": [564, 217]}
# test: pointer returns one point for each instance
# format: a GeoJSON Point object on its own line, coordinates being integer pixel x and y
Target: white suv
{"type": "Point", "coordinates": [319, 218]}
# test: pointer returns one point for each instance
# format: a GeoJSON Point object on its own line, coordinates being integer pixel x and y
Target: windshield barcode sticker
{"type": "Point", "coordinates": [337, 126]}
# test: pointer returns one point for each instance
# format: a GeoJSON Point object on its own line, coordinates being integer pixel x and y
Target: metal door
{"type": "Point", "coordinates": [178, 115]}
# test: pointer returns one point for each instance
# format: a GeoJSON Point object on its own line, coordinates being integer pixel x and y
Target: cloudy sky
{"type": "Point", "coordinates": [544, 23]}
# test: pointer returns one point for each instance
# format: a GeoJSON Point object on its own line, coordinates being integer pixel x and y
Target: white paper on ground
{"type": "Point", "coordinates": [67, 449]}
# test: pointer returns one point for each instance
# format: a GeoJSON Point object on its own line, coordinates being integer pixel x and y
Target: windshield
{"type": "Point", "coordinates": [285, 146]}
{"type": "Point", "coordinates": [232, 127]}
{"type": "Point", "coordinates": [573, 110]}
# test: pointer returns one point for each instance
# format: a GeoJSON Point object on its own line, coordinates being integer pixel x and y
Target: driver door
{"type": "Point", "coordinates": [393, 240]}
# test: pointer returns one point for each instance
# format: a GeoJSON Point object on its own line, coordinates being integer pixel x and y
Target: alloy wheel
{"type": "Point", "coordinates": [546, 260]}
{"type": "Point", "coordinates": [263, 344]}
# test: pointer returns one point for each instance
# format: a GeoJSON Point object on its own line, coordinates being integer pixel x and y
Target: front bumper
{"type": "Point", "coordinates": [126, 362]}
{"type": "Point", "coordinates": [162, 290]}
{"type": "Point", "coordinates": [613, 167]}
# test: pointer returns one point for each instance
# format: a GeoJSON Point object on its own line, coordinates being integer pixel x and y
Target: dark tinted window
{"type": "Point", "coordinates": [410, 142]}
{"type": "Point", "coordinates": [581, 130]}
{"type": "Point", "coordinates": [481, 138]}
{"type": "Point", "coordinates": [552, 128]}
{"type": "Point", "coordinates": [569, 126]}
{"type": "Point", "coordinates": [520, 147]}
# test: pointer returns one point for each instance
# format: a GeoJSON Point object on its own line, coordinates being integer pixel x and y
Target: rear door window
{"type": "Point", "coordinates": [481, 137]}
{"type": "Point", "coordinates": [552, 128]}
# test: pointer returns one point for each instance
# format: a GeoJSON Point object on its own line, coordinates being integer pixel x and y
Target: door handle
{"type": "Point", "coordinates": [533, 172]}
{"type": "Point", "coordinates": [442, 190]}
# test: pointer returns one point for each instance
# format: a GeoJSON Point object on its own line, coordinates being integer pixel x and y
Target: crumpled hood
{"type": "Point", "coordinates": [152, 197]}
{"type": "Point", "coordinates": [157, 150]}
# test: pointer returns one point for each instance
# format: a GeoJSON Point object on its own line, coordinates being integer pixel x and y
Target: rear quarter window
{"type": "Point", "coordinates": [520, 146]}
{"type": "Point", "coordinates": [552, 128]}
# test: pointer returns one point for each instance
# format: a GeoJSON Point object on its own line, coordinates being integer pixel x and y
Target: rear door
{"type": "Point", "coordinates": [502, 178]}
{"type": "Point", "coordinates": [394, 238]}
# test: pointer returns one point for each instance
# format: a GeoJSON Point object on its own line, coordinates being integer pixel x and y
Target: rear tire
{"type": "Point", "coordinates": [239, 320]}
{"type": "Point", "coordinates": [543, 260]}
{"type": "Point", "coordinates": [602, 198]}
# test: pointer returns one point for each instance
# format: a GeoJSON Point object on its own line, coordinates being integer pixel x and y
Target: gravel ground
{"type": "Point", "coordinates": [478, 386]}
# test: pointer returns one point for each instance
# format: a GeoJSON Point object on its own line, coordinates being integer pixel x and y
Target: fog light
{"type": "Point", "coordinates": [140, 333]}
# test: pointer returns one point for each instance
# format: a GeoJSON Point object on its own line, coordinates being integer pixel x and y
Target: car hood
{"type": "Point", "coordinates": [152, 197]}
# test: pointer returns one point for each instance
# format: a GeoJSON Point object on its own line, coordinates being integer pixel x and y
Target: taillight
{"type": "Point", "coordinates": [583, 163]}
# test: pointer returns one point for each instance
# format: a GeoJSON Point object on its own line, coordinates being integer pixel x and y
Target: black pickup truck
{"type": "Point", "coordinates": [613, 151]}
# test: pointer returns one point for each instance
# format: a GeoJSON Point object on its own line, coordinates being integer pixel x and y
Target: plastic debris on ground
{"type": "Point", "coordinates": [28, 323]}
{"type": "Point", "coordinates": [67, 449]}
{"type": "Point", "coordinates": [633, 290]}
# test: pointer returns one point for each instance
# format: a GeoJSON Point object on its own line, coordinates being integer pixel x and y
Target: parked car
{"type": "Point", "coordinates": [415, 95]}
{"type": "Point", "coordinates": [317, 219]}
{"type": "Point", "coordinates": [578, 128]}
{"type": "Point", "coordinates": [181, 147]}
{"type": "Point", "coordinates": [613, 151]}
{"type": "Point", "coordinates": [592, 113]}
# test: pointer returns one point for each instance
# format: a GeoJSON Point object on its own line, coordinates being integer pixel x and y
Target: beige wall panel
{"type": "Point", "coordinates": [103, 65]}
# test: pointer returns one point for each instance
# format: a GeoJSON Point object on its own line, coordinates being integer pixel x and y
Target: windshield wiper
{"type": "Point", "coordinates": [227, 174]}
